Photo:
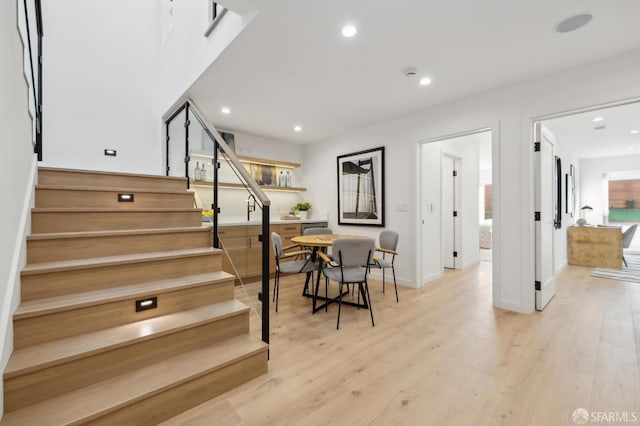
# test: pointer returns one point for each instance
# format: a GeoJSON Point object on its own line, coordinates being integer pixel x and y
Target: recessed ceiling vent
{"type": "Point", "coordinates": [602, 127]}
{"type": "Point", "coordinates": [574, 23]}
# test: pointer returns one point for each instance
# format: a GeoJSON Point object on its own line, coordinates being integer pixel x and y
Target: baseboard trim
{"type": "Point", "coordinates": [431, 277]}
{"type": "Point", "coordinates": [11, 298]}
{"type": "Point", "coordinates": [376, 274]}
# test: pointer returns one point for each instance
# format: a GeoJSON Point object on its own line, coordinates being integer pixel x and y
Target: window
{"type": "Point", "coordinates": [216, 13]}
{"type": "Point", "coordinates": [624, 200]}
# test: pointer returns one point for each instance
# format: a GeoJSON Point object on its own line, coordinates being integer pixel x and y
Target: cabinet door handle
{"type": "Point", "coordinates": [249, 242]}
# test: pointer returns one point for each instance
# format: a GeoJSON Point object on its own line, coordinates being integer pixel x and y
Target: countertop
{"type": "Point", "coordinates": [236, 222]}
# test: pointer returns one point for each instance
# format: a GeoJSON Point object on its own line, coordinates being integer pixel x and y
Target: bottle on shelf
{"type": "Point", "coordinates": [203, 172]}
{"type": "Point", "coordinates": [281, 179]}
{"type": "Point", "coordinates": [288, 180]}
{"type": "Point", "coordinates": [197, 173]}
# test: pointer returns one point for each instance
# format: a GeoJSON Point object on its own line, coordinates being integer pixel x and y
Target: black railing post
{"type": "Point", "coordinates": [214, 206]}
{"type": "Point", "coordinates": [187, 158]}
{"type": "Point", "coordinates": [265, 273]}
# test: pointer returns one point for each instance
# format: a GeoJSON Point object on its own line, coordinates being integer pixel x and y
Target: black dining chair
{"type": "Point", "coordinates": [353, 256]}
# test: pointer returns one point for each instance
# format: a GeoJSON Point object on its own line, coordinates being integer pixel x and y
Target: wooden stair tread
{"type": "Point", "coordinates": [111, 209]}
{"type": "Point", "coordinates": [34, 358]}
{"type": "Point", "coordinates": [112, 189]}
{"type": "Point", "coordinates": [93, 262]}
{"type": "Point", "coordinates": [39, 307]}
{"type": "Point", "coordinates": [90, 402]}
{"type": "Point", "coordinates": [104, 173]}
{"type": "Point", "coordinates": [116, 233]}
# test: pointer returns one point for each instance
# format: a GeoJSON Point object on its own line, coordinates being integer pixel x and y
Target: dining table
{"type": "Point", "coordinates": [318, 242]}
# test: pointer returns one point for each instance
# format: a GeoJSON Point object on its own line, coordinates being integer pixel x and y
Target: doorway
{"type": "Point", "coordinates": [454, 172]}
{"type": "Point", "coordinates": [593, 176]}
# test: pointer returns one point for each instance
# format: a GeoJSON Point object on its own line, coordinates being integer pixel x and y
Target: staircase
{"type": "Point", "coordinates": [126, 315]}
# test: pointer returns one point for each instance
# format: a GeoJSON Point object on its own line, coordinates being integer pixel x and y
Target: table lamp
{"type": "Point", "coordinates": [584, 209]}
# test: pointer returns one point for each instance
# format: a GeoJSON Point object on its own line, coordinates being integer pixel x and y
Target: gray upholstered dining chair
{"type": "Point", "coordinates": [627, 236]}
{"type": "Point", "coordinates": [314, 231]}
{"type": "Point", "coordinates": [300, 266]}
{"type": "Point", "coordinates": [388, 246]}
{"type": "Point", "coordinates": [353, 256]}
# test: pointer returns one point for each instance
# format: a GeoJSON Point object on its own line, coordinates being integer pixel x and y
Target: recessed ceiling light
{"type": "Point", "coordinates": [631, 148]}
{"type": "Point", "coordinates": [425, 81]}
{"type": "Point", "coordinates": [297, 128]}
{"type": "Point", "coordinates": [349, 31]}
{"type": "Point", "coordinates": [595, 120]}
{"type": "Point", "coordinates": [225, 110]}
{"type": "Point", "coordinates": [574, 23]}
{"type": "Point", "coordinates": [634, 132]}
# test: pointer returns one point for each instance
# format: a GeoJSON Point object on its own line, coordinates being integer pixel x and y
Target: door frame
{"type": "Point", "coordinates": [421, 212]}
{"type": "Point", "coordinates": [531, 129]}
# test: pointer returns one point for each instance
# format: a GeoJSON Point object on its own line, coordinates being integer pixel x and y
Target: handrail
{"type": "Point", "coordinates": [219, 144]}
{"type": "Point", "coordinates": [213, 132]}
{"type": "Point", "coordinates": [36, 87]}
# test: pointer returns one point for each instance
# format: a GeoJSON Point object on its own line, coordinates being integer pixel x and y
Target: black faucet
{"type": "Point", "coordinates": [251, 206]}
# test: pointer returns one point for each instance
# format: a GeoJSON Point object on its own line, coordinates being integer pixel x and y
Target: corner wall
{"type": "Point", "coordinates": [16, 171]}
{"type": "Point", "coordinates": [509, 113]}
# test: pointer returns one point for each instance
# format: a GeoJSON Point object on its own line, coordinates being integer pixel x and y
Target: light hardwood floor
{"type": "Point", "coordinates": [444, 356]}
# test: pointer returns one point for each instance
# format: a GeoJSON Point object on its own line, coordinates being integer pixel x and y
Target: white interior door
{"type": "Point", "coordinates": [449, 212]}
{"type": "Point", "coordinates": [544, 225]}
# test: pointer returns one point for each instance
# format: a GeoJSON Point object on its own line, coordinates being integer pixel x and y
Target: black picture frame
{"type": "Point", "coordinates": [361, 188]}
{"type": "Point", "coordinates": [557, 212]}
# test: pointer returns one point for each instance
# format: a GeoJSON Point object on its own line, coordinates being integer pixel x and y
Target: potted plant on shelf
{"type": "Point", "coordinates": [303, 207]}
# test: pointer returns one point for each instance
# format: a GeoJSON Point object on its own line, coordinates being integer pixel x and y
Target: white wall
{"type": "Point", "coordinates": [101, 87]}
{"type": "Point", "coordinates": [560, 236]}
{"type": "Point", "coordinates": [16, 174]}
{"type": "Point", "coordinates": [466, 149]}
{"type": "Point", "coordinates": [186, 53]}
{"type": "Point", "coordinates": [114, 67]}
{"type": "Point", "coordinates": [509, 113]}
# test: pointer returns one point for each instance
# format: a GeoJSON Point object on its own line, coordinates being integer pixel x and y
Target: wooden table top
{"type": "Point", "coordinates": [321, 240]}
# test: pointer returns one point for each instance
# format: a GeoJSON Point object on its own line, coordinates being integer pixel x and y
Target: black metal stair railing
{"type": "Point", "coordinates": [186, 115]}
{"type": "Point", "coordinates": [35, 62]}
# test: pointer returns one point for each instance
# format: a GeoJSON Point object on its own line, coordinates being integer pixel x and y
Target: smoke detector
{"type": "Point", "coordinates": [410, 72]}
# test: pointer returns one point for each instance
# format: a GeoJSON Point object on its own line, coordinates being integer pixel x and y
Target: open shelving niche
{"type": "Point", "coordinates": [202, 188]}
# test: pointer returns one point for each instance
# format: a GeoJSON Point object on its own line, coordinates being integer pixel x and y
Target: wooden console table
{"type": "Point", "coordinates": [595, 246]}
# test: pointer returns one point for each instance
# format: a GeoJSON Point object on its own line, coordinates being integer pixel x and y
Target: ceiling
{"type": "Point", "coordinates": [578, 134]}
{"type": "Point", "coordinates": [291, 65]}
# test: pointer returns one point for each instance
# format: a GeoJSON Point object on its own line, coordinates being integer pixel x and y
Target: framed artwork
{"type": "Point", "coordinates": [361, 188]}
{"type": "Point", "coordinates": [557, 208]}
{"type": "Point", "coordinates": [572, 190]}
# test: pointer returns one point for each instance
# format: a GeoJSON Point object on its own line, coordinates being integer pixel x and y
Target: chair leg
{"type": "Point", "coordinates": [366, 287]}
{"type": "Point", "coordinates": [625, 261]}
{"type": "Point", "coordinates": [275, 286]}
{"type": "Point", "coordinates": [326, 294]}
{"type": "Point", "coordinates": [276, 290]}
{"type": "Point", "coordinates": [339, 307]}
{"type": "Point", "coordinates": [383, 279]}
{"type": "Point", "coordinates": [393, 269]}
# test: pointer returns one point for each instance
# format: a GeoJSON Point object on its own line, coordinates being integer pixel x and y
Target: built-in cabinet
{"type": "Point", "coordinates": [244, 250]}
